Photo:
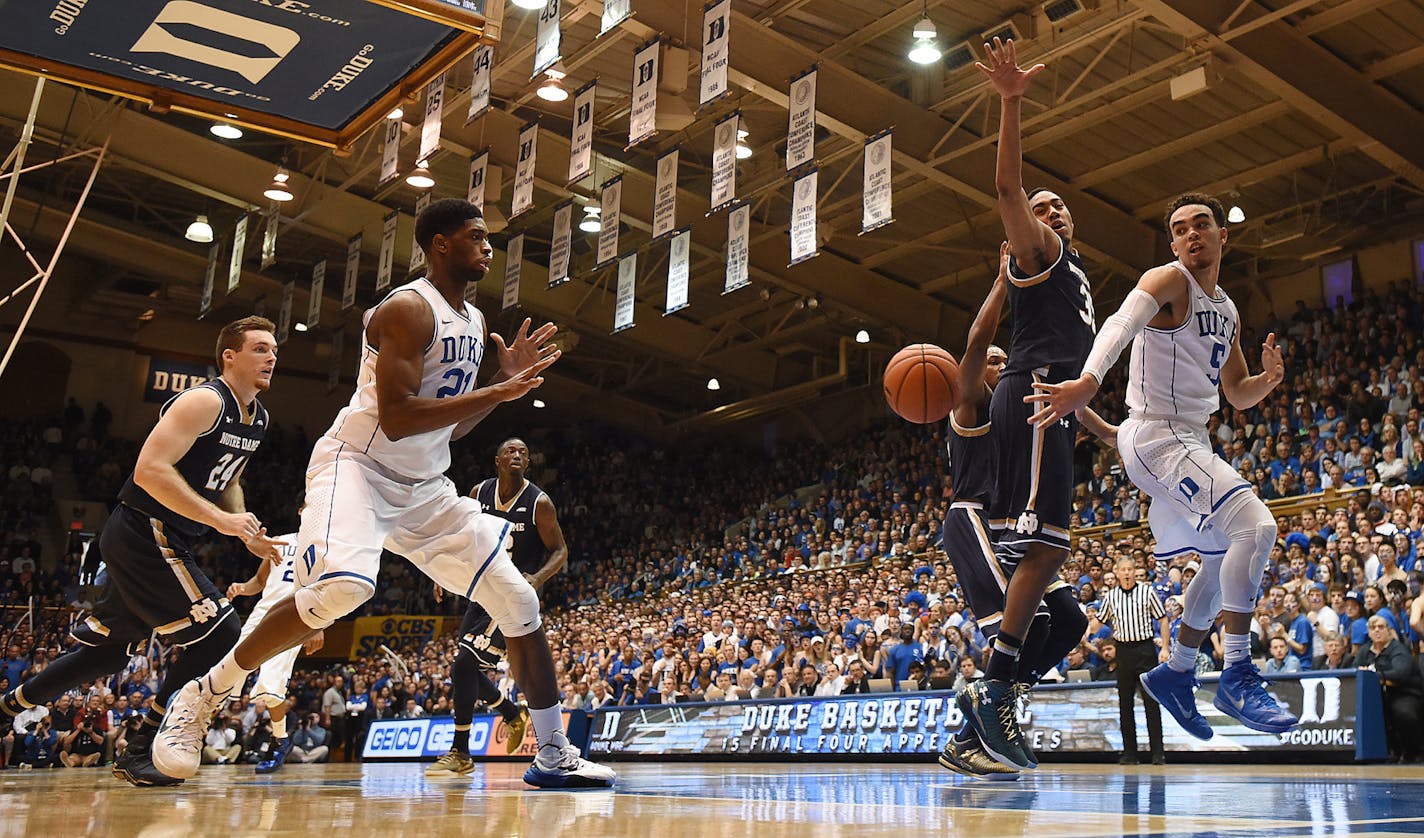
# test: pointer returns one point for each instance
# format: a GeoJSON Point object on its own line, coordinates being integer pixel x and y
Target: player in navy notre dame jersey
{"type": "Point", "coordinates": [185, 483]}
{"type": "Point", "coordinates": [539, 552]}
{"type": "Point", "coordinates": [1052, 330]}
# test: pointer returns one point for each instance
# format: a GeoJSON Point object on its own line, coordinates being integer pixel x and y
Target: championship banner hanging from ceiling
{"type": "Point", "coordinates": [480, 83]}
{"type": "Point", "coordinates": [284, 314]}
{"type": "Point", "coordinates": [476, 192]}
{"type": "Point", "coordinates": [643, 112]}
{"type": "Point", "coordinates": [434, 111]}
{"type": "Point", "coordinates": [623, 302]}
{"type": "Point", "coordinates": [353, 272]}
{"type": "Point", "coordinates": [271, 220]}
{"type": "Point", "coordinates": [803, 217]}
{"type": "Point", "coordinates": [614, 13]}
{"type": "Point", "coordinates": [417, 256]}
{"type": "Point", "coordinates": [679, 259]}
{"type": "Point", "coordinates": [513, 266]}
{"type": "Point", "coordinates": [801, 121]}
{"type": "Point", "coordinates": [610, 209]}
{"type": "Point", "coordinates": [390, 150]}
{"type": "Point", "coordinates": [524, 172]}
{"type": "Point", "coordinates": [317, 287]}
{"type": "Point", "coordinates": [876, 191]}
{"type": "Point", "coordinates": [739, 223]}
{"type": "Point", "coordinates": [581, 142]}
{"type": "Point", "coordinates": [561, 244]}
{"type": "Point", "coordinates": [239, 248]}
{"type": "Point", "coordinates": [322, 71]}
{"type": "Point", "coordinates": [205, 302]}
{"type": "Point", "coordinates": [546, 39]}
{"type": "Point", "coordinates": [716, 17]}
{"type": "Point", "coordinates": [724, 161]}
{"type": "Point", "coordinates": [386, 266]}
{"type": "Point", "coordinates": [665, 194]}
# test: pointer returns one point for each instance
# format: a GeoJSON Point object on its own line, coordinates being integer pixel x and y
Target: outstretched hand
{"type": "Point", "coordinates": [522, 381]}
{"type": "Point", "coordinates": [1059, 400]}
{"type": "Point", "coordinates": [265, 547]}
{"type": "Point", "coordinates": [1001, 65]}
{"type": "Point", "coordinates": [525, 349]}
{"type": "Point", "coordinates": [1004, 254]}
{"type": "Point", "coordinates": [1271, 364]}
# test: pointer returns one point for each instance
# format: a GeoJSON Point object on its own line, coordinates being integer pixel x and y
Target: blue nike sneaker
{"type": "Point", "coordinates": [563, 768]}
{"type": "Point", "coordinates": [1177, 692]}
{"type": "Point", "coordinates": [1242, 696]}
{"type": "Point", "coordinates": [277, 758]}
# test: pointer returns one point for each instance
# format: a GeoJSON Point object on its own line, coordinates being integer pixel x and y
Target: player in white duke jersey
{"type": "Point", "coordinates": [1186, 349]}
{"type": "Point", "coordinates": [376, 480]}
{"type": "Point", "coordinates": [274, 583]}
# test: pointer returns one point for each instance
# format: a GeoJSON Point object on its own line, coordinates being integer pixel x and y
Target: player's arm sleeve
{"type": "Point", "coordinates": [1141, 305]}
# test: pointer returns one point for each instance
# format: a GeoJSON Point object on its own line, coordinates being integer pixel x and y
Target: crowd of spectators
{"type": "Point", "coordinates": [706, 572]}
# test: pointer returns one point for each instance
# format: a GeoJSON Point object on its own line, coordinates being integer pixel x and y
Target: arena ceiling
{"type": "Point", "coordinates": [1310, 120]}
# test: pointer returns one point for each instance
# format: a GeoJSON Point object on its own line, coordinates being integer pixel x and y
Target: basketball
{"type": "Point", "coordinates": [922, 383]}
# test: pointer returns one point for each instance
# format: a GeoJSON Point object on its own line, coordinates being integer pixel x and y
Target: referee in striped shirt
{"type": "Point", "coordinates": [1136, 615]}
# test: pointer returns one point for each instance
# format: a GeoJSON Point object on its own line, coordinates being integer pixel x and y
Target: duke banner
{"type": "Point", "coordinates": [434, 111]}
{"type": "Point", "coordinates": [876, 191]}
{"type": "Point", "coordinates": [353, 272]}
{"type": "Point", "coordinates": [390, 149]}
{"type": "Point", "coordinates": [801, 121]}
{"type": "Point", "coordinates": [715, 53]}
{"type": "Point", "coordinates": [724, 161]}
{"type": "Point", "coordinates": [643, 113]}
{"type": "Point", "coordinates": [388, 251]}
{"type": "Point", "coordinates": [271, 220]}
{"type": "Point", "coordinates": [610, 210]}
{"type": "Point", "coordinates": [397, 632]}
{"type": "Point", "coordinates": [1339, 710]}
{"type": "Point", "coordinates": [475, 194]}
{"type": "Point", "coordinates": [239, 248]}
{"type": "Point", "coordinates": [480, 83]}
{"type": "Point", "coordinates": [546, 38]}
{"type": "Point", "coordinates": [738, 247]}
{"type": "Point", "coordinates": [560, 246]}
{"type": "Point", "coordinates": [803, 217]}
{"type": "Point", "coordinates": [581, 143]}
{"type": "Point", "coordinates": [524, 170]}
{"type": "Point", "coordinates": [678, 260]}
{"type": "Point", "coordinates": [623, 303]}
{"type": "Point", "coordinates": [205, 302]}
{"type": "Point", "coordinates": [665, 194]}
{"type": "Point", "coordinates": [417, 256]}
{"type": "Point", "coordinates": [614, 13]}
{"type": "Point", "coordinates": [284, 314]}
{"type": "Point", "coordinates": [317, 286]}
{"type": "Point", "coordinates": [168, 377]}
{"type": "Point", "coordinates": [514, 263]}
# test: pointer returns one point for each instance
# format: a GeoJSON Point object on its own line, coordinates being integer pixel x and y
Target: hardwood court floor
{"type": "Point", "coordinates": [719, 799]}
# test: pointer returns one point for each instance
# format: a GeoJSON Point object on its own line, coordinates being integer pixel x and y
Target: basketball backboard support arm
{"type": "Point", "coordinates": [12, 169]}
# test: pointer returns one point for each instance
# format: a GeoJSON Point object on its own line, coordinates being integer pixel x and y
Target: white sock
{"type": "Point", "coordinates": [1237, 647]}
{"type": "Point", "coordinates": [1184, 658]}
{"type": "Point", "coordinates": [549, 726]}
{"type": "Point", "coordinates": [227, 675]}
{"type": "Point", "coordinates": [279, 728]}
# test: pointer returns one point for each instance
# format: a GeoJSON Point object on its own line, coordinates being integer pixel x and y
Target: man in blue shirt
{"type": "Point", "coordinates": [14, 667]}
{"type": "Point", "coordinates": [903, 654]}
{"type": "Point", "coordinates": [1300, 633]}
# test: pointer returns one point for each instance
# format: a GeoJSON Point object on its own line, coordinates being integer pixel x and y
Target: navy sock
{"type": "Point", "coordinates": [1004, 661]}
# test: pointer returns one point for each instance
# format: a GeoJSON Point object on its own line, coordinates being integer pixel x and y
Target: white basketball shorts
{"type": "Point", "coordinates": [275, 672]}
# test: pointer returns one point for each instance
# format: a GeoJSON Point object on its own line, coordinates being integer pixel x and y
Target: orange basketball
{"type": "Point", "coordinates": [922, 383]}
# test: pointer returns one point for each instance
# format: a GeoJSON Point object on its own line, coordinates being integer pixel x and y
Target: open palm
{"type": "Point", "coordinates": [1001, 65]}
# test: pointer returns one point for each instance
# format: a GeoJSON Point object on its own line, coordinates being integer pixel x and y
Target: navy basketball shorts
{"type": "Point", "coordinates": [481, 637]}
{"type": "Point", "coordinates": [152, 585]}
{"type": "Point", "coordinates": [970, 547]}
{"type": "Point", "coordinates": [1034, 502]}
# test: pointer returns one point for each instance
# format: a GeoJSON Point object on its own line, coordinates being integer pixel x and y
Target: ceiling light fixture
{"type": "Point", "coordinates": [200, 231]}
{"type": "Point", "coordinates": [590, 222]}
{"type": "Point", "coordinates": [862, 336]}
{"type": "Point", "coordinates": [743, 150]}
{"type": "Point", "coordinates": [226, 131]}
{"type": "Point", "coordinates": [299, 326]}
{"type": "Point", "coordinates": [398, 113]}
{"type": "Point", "coordinates": [421, 177]}
{"type": "Point", "coordinates": [713, 384]}
{"type": "Point", "coordinates": [530, 4]}
{"type": "Point", "coordinates": [925, 50]}
{"type": "Point", "coordinates": [278, 190]}
{"type": "Point", "coordinates": [553, 90]}
{"type": "Point", "coordinates": [539, 404]}
{"type": "Point", "coordinates": [1235, 215]}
